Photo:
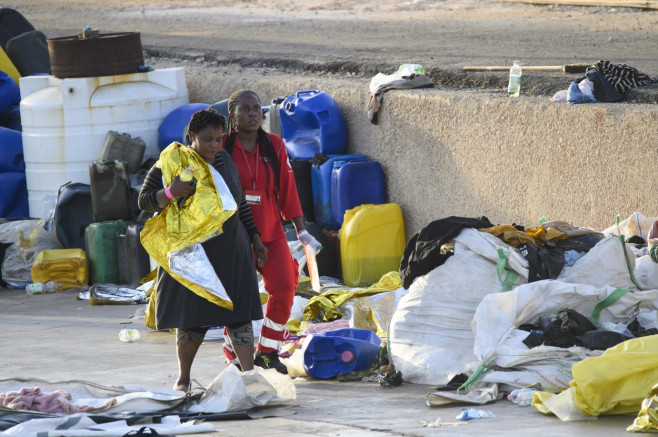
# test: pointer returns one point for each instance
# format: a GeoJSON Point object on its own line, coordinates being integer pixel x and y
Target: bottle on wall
{"type": "Point", "coordinates": [514, 87]}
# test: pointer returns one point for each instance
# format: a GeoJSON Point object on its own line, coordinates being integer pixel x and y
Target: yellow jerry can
{"type": "Point", "coordinates": [372, 243]}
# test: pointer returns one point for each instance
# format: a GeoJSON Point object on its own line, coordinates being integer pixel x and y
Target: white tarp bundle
{"type": "Point", "coordinates": [431, 339]}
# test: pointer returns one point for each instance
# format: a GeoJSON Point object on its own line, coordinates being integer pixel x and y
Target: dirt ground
{"type": "Point", "coordinates": [361, 38]}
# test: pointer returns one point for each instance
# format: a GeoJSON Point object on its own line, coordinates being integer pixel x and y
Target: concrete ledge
{"type": "Point", "coordinates": [473, 152]}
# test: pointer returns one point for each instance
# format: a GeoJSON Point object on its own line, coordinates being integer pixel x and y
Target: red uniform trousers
{"type": "Point", "coordinates": [280, 275]}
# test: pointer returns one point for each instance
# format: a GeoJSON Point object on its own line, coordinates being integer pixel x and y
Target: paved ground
{"type": "Point", "coordinates": [56, 337]}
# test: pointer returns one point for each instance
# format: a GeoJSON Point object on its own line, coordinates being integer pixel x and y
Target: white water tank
{"type": "Point", "coordinates": [65, 122]}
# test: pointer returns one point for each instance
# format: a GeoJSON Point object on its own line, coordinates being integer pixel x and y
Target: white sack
{"type": "Point", "coordinates": [431, 339]}
{"type": "Point", "coordinates": [236, 391]}
{"type": "Point", "coordinates": [605, 264]}
{"type": "Point", "coordinates": [646, 272]}
{"type": "Point", "coordinates": [636, 224]}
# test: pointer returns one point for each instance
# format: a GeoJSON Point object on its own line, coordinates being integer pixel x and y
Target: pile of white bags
{"type": "Point", "coordinates": [431, 339]}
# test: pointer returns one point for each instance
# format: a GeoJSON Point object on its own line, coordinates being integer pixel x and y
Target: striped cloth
{"type": "Point", "coordinates": [622, 77]}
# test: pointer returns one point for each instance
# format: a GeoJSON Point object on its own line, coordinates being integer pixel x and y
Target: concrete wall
{"type": "Point", "coordinates": [474, 152]}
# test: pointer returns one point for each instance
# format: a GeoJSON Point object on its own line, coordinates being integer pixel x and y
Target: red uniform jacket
{"type": "Point", "coordinates": [253, 176]}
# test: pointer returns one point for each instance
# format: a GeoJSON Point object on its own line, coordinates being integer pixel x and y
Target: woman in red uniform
{"type": "Point", "coordinates": [269, 186]}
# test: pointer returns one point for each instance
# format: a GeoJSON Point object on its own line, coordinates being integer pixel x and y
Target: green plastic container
{"type": "Point", "coordinates": [102, 250]}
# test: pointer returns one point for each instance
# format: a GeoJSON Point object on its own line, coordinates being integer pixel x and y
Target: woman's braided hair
{"type": "Point", "coordinates": [265, 147]}
{"type": "Point", "coordinates": [206, 117]}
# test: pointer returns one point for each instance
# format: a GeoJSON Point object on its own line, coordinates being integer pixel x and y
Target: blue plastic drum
{"type": "Point", "coordinates": [312, 122]}
{"type": "Point", "coordinates": [13, 195]}
{"type": "Point", "coordinates": [11, 118]}
{"type": "Point", "coordinates": [331, 353]}
{"type": "Point", "coordinates": [173, 126]}
{"type": "Point", "coordinates": [11, 151]}
{"type": "Point", "coordinates": [10, 94]}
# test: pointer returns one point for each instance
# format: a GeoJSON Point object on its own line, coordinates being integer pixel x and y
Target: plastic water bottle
{"type": "Point", "coordinates": [40, 287]}
{"type": "Point", "coordinates": [617, 327]}
{"type": "Point", "coordinates": [514, 87]}
{"type": "Point", "coordinates": [128, 335]}
{"type": "Point", "coordinates": [187, 175]}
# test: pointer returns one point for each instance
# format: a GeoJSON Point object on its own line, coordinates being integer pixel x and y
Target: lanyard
{"type": "Point", "coordinates": [249, 167]}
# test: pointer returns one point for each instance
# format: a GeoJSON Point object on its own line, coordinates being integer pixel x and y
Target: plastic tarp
{"type": "Point", "coordinates": [28, 240]}
{"type": "Point", "coordinates": [87, 393]}
{"type": "Point", "coordinates": [614, 383]}
{"type": "Point", "coordinates": [431, 339]}
{"type": "Point", "coordinates": [79, 425]}
{"type": "Point", "coordinates": [230, 391]}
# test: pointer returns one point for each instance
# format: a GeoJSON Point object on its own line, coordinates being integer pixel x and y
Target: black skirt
{"type": "Point", "coordinates": [231, 256]}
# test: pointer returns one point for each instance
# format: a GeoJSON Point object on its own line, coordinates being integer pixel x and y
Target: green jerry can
{"type": "Point", "coordinates": [102, 250]}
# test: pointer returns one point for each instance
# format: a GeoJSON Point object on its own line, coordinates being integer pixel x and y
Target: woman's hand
{"type": "Point", "coordinates": [179, 188]}
{"type": "Point", "coordinates": [259, 250]}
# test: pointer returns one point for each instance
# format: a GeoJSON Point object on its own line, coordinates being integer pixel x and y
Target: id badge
{"type": "Point", "coordinates": [253, 197]}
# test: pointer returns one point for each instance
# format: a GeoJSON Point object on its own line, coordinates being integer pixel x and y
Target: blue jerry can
{"type": "Point", "coordinates": [312, 122]}
{"type": "Point", "coordinates": [354, 184]}
{"type": "Point", "coordinates": [321, 185]}
{"type": "Point", "coordinates": [338, 352]}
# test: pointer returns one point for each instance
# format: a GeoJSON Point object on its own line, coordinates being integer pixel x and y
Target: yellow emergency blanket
{"type": "Point", "coordinates": [201, 216]}
{"type": "Point", "coordinates": [647, 419]}
{"type": "Point", "coordinates": [614, 383]}
{"type": "Point", "coordinates": [325, 308]}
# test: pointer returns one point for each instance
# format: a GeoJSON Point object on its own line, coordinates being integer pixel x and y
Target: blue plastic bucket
{"type": "Point", "coordinates": [338, 352]}
{"type": "Point", "coordinates": [10, 94]}
{"type": "Point", "coordinates": [173, 126]}
{"type": "Point", "coordinates": [312, 122]}
{"type": "Point", "coordinates": [11, 151]}
{"type": "Point", "coordinates": [321, 185]}
{"type": "Point", "coordinates": [13, 195]}
{"type": "Point", "coordinates": [354, 184]}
